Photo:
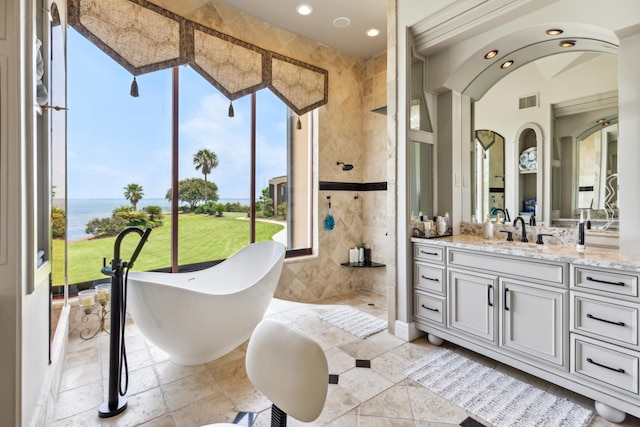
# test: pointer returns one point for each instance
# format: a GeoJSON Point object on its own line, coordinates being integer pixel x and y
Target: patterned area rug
{"type": "Point", "coordinates": [493, 396]}
{"type": "Point", "coordinates": [354, 321]}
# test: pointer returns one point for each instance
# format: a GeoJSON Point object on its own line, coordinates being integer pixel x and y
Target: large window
{"type": "Point", "coordinates": [120, 167]}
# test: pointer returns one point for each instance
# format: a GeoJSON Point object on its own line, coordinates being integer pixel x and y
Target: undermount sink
{"type": "Point", "coordinates": [513, 245]}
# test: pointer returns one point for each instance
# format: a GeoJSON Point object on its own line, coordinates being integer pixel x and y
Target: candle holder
{"type": "Point", "coordinates": [89, 300]}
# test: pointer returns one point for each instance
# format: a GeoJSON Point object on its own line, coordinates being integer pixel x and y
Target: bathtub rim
{"type": "Point", "coordinates": [180, 283]}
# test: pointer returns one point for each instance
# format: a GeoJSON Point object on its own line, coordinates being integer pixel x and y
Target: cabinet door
{"type": "Point", "coordinates": [471, 303]}
{"type": "Point", "coordinates": [533, 320]}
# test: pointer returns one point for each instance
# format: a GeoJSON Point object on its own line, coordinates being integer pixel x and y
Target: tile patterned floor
{"type": "Point", "coordinates": [162, 394]}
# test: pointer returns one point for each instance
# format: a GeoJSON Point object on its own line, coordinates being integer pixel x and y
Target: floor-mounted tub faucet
{"type": "Point", "coordinates": [524, 228]}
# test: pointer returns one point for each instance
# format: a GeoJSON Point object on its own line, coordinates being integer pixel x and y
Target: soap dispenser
{"type": "Point", "coordinates": [487, 228]}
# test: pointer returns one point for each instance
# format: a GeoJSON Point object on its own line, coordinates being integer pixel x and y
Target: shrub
{"type": "Point", "coordinates": [133, 218]}
{"type": "Point", "coordinates": [104, 227]}
{"type": "Point", "coordinates": [210, 208]}
{"type": "Point", "coordinates": [154, 211]}
{"type": "Point", "coordinates": [282, 209]}
{"type": "Point", "coordinates": [123, 208]}
{"type": "Point", "coordinates": [236, 207]}
{"type": "Point", "coordinates": [58, 221]}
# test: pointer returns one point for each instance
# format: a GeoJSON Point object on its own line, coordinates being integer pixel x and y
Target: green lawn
{"type": "Point", "coordinates": [201, 238]}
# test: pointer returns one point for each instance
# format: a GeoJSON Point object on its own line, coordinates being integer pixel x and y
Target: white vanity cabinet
{"type": "Point", "coordinates": [550, 312]}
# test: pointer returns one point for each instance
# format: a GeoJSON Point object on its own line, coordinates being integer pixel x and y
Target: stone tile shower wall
{"type": "Point", "coordinates": [347, 132]}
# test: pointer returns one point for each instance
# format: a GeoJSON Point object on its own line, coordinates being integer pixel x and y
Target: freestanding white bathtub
{"type": "Point", "coordinates": [199, 316]}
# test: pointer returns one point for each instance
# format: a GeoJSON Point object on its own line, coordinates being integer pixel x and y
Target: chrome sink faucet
{"type": "Point", "coordinates": [524, 228]}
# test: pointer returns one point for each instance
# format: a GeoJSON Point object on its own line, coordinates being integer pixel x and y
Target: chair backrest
{"type": "Point", "coordinates": [289, 368]}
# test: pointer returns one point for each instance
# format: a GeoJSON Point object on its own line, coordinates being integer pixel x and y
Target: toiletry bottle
{"type": "Point", "coordinates": [588, 219]}
{"type": "Point", "coordinates": [580, 245]}
{"type": "Point", "coordinates": [447, 220]}
{"type": "Point", "coordinates": [487, 228]}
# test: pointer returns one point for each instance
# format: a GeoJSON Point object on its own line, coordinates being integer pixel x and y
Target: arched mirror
{"type": "Point", "coordinates": [557, 94]}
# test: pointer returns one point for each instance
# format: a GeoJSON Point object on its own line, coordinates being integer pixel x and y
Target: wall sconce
{"type": "Point", "coordinates": [345, 166]}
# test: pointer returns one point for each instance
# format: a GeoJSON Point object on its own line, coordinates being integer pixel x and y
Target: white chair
{"type": "Point", "coordinates": [290, 369]}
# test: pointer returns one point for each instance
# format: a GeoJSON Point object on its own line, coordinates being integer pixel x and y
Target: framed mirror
{"type": "Point", "coordinates": [421, 178]}
{"type": "Point", "coordinates": [488, 175]}
{"type": "Point", "coordinates": [420, 142]}
{"type": "Point", "coordinates": [586, 132]}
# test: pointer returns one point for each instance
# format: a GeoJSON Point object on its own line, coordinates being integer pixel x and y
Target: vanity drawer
{"type": "Point", "coordinates": [429, 278]}
{"type": "Point", "coordinates": [429, 307]}
{"type": "Point", "coordinates": [537, 270]}
{"type": "Point", "coordinates": [428, 253]}
{"type": "Point", "coordinates": [605, 318]}
{"type": "Point", "coordinates": [606, 281]}
{"type": "Point", "coordinates": [613, 368]}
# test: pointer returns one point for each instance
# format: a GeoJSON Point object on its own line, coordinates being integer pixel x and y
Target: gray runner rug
{"type": "Point", "coordinates": [354, 321]}
{"type": "Point", "coordinates": [493, 396]}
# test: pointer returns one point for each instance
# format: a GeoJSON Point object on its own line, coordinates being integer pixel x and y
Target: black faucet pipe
{"type": "Point", "coordinates": [116, 402]}
{"type": "Point", "coordinates": [524, 229]}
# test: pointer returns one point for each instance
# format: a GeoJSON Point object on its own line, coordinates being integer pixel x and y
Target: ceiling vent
{"type": "Point", "coordinates": [528, 101]}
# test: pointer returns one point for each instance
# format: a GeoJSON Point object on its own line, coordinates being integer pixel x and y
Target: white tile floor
{"type": "Point", "coordinates": [163, 394]}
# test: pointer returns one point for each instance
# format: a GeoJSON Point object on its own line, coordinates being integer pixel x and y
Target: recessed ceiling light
{"type": "Point", "coordinates": [506, 64]}
{"type": "Point", "coordinates": [372, 32]}
{"type": "Point", "coordinates": [490, 54]}
{"type": "Point", "coordinates": [600, 121]}
{"type": "Point", "coordinates": [567, 43]}
{"type": "Point", "coordinates": [342, 22]}
{"type": "Point", "coordinates": [554, 32]}
{"type": "Point", "coordinates": [304, 9]}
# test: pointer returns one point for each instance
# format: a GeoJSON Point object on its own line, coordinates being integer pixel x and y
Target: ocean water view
{"type": "Point", "coordinates": [81, 211]}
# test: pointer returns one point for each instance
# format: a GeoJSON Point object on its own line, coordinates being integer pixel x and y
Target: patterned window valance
{"type": "Point", "coordinates": [143, 37]}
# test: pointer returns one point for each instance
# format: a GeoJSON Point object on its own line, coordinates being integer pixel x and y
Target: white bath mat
{"type": "Point", "coordinates": [354, 321]}
{"type": "Point", "coordinates": [493, 396]}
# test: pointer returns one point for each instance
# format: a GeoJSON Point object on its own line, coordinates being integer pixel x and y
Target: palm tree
{"type": "Point", "coordinates": [133, 193]}
{"type": "Point", "coordinates": [205, 160]}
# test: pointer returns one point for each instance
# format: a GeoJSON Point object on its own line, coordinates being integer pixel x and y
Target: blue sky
{"type": "Point", "coordinates": [115, 139]}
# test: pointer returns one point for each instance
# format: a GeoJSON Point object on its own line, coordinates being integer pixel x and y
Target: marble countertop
{"type": "Point", "coordinates": [601, 258]}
